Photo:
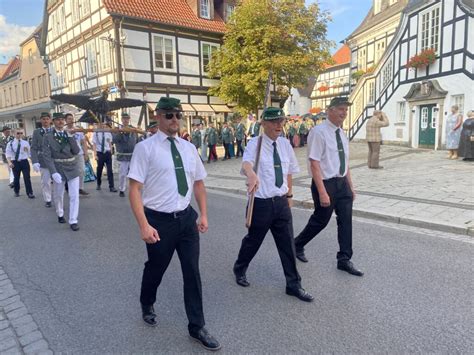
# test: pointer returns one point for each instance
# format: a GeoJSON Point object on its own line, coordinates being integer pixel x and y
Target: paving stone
{"type": "Point", "coordinates": [5, 282]}
{"type": "Point", "coordinates": [17, 313]}
{"type": "Point", "coordinates": [25, 329]}
{"type": "Point", "coordinates": [2, 317]}
{"type": "Point", "coordinates": [4, 324]}
{"type": "Point", "coordinates": [7, 343]}
{"type": "Point", "coordinates": [9, 300]}
{"type": "Point", "coordinates": [30, 337]}
{"type": "Point", "coordinates": [8, 294]}
{"type": "Point", "coordinates": [36, 347]}
{"type": "Point", "coordinates": [12, 351]}
{"type": "Point", "coordinates": [3, 276]}
{"type": "Point", "coordinates": [45, 352]}
{"type": "Point", "coordinates": [22, 321]}
{"type": "Point", "coordinates": [13, 306]}
{"type": "Point", "coordinates": [6, 333]}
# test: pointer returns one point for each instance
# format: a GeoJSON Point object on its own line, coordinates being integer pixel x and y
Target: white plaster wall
{"type": "Point", "coordinates": [186, 80]}
{"type": "Point", "coordinates": [136, 59]}
{"type": "Point", "coordinates": [166, 79]}
{"type": "Point", "coordinates": [188, 64]}
{"type": "Point", "coordinates": [136, 38]}
{"type": "Point", "coordinates": [186, 45]}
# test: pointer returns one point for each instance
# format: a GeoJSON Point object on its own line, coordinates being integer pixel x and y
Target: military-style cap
{"type": "Point", "coordinates": [272, 113]}
{"type": "Point", "coordinates": [45, 114]}
{"type": "Point", "coordinates": [169, 104]}
{"type": "Point", "coordinates": [336, 101]}
{"type": "Point", "coordinates": [58, 115]}
{"type": "Point", "coordinates": [6, 128]}
{"type": "Point", "coordinates": [152, 125]}
{"type": "Point", "coordinates": [125, 115]}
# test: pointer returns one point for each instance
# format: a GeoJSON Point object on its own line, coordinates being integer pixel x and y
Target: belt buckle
{"type": "Point", "coordinates": [175, 215]}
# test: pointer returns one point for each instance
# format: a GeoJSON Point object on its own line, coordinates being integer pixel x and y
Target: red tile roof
{"type": "Point", "coordinates": [342, 56]}
{"type": "Point", "coordinates": [12, 66]}
{"type": "Point", "coordinates": [173, 12]}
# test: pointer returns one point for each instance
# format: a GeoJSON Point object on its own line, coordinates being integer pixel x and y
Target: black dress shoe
{"type": "Point", "coordinates": [207, 341]}
{"type": "Point", "coordinates": [113, 189]}
{"type": "Point", "coordinates": [349, 267]}
{"type": "Point", "coordinates": [300, 293]}
{"type": "Point", "coordinates": [31, 196]}
{"type": "Point", "coordinates": [83, 193]}
{"type": "Point", "coordinates": [74, 227]}
{"type": "Point", "coordinates": [11, 185]}
{"type": "Point", "coordinates": [98, 187]}
{"type": "Point", "coordinates": [241, 279]}
{"type": "Point", "coordinates": [47, 204]}
{"type": "Point", "coordinates": [61, 219]}
{"type": "Point", "coordinates": [301, 257]}
{"type": "Point", "coordinates": [17, 194]}
{"type": "Point", "coordinates": [149, 315]}
{"type": "Point", "coordinates": [122, 194]}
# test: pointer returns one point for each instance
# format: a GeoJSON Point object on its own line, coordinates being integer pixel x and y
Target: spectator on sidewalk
{"type": "Point", "coordinates": [203, 145]}
{"type": "Point", "coordinates": [374, 137]}
{"type": "Point", "coordinates": [102, 142]}
{"type": "Point", "coordinates": [239, 135]}
{"type": "Point", "coordinates": [225, 137]}
{"type": "Point", "coordinates": [453, 132]}
{"type": "Point", "coordinates": [466, 143]}
{"type": "Point", "coordinates": [196, 136]}
{"type": "Point", "coordinates": [211, 140]}
{"type": "Point", "coordinates": [37, 159]}
{"type": "Point", "coordinates": [6, 138]}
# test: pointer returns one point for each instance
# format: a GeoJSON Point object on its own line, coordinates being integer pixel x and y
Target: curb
{"type": "Point", "coordinates": [374, 215]}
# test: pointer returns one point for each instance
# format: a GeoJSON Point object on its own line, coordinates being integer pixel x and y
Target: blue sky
{"type": "Point", "coordinates": [18, 19]}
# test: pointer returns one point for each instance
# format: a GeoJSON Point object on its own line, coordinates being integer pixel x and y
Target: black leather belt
{"type": "Point", "coordinates": [336, 178]}
{"type": "Point", "coordinates": [271, 199]}
{"type": "Point", "coordinates": [178, 214]}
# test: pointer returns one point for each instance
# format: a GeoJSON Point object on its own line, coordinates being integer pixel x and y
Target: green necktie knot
{"type": "Point", "coordinates": [178, 168]}
{"type": "Point", "coordinates": [277, 166]}
{"type": "Point", "coordinates": [340, 149]}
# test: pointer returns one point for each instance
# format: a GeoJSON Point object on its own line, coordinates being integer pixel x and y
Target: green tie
{"type": "Point", "coordinates": [342, 157]}
{"type": "Point", "coordinates": [102, 150]}
{"type": "Point", "coordinates": [277, 166]}
{"type": "Point", "coordinates": [179, 168]}
{"type": "Point", "coordinates": [17, 153]}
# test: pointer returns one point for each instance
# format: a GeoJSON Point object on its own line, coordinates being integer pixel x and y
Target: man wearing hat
{"type": "Point", "coordinates": [124, 143]}
{"type": "Point", "coordinates": [273, 193]}
{"type": "Point", "coordinates": [211, 140]}
{"type": "Point", "coordinates": [239, 135]}
{"type": "Point", "coordinates": [164, 172]}
{"type": "Point", "coordinates": [60, 152]}
{"type": "Point", "coordinates": [37, 159]}
{"type": "Point", "coordinates": [331, 185]}
{"type": "Point", "coordinates": [6, 138]}
{"type": "Point", "coordinates": [151, 129]}
{"type": "Point", "coordinates": [102, 142]}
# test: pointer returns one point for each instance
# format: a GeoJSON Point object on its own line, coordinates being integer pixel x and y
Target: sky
{"type": "Point", "coordinates": [19, 18]}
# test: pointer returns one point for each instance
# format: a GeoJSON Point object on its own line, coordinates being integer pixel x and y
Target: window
{"type": "Point", "coordinates": [229, 10]}
{"type": "Point", "coordinates": [458, 100]}
{"type": "Point", "coordinates": [17, 97]}
{"type": "Point", "coordinates": [45, 85]}
{"type": "Point", "coordinates": [30, 56]}
{"type": "Point", "coordinates": [207, 52]}
{"type": "Point", "coordinates": [430, 29]}
{"type": "Point", "coordinates": [105, 56]}
{"type": "Point", "coordinates": [434, 117]}
{"type": "Point", "coordinates": [362, 61]}
{"type": "Point", "coordinates": [391, 2]}
{"type": "Point", "coordinates": [164, 52]}
{"type": "Point", "coordinates": [377, 6]}
{"type": "Point", "coordinates": [33, 89]}
{"type": "Point", "coordinates": [80, 9]}
{"type": "Point", "coordinates": [387, 74]}
{"type": "Point", "coordinates": [91, 59]}
{"type": "Point", "coordinates": [371, 99]}
{"type": "Point", "coordinates": [12, 102]}
{"type": "Point", "coordinates": [401, 111]}
{"type": "Point", "coordinates": [204, 7]}
{"type": "Point", "coordinates": [40, 87]}
{"type": "Point", "coordinates": [379, 50]}
{"type": "Point", "coordinates": [26, 92]}
{"type": "Point", "coordinates": [424, 118]}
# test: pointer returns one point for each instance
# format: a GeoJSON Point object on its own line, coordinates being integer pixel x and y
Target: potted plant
{"type": "Point", "coordinates": [356, 75]}
{"type": "Point", "coordinates": [423, 59]}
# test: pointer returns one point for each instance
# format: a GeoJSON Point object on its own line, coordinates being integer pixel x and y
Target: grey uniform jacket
{"type": "Point", "coordinates": [52, 151]}
{"type": "Point", "coordinates": [37, 146]}
{"type": "Point", "coordinates": [125, 143]}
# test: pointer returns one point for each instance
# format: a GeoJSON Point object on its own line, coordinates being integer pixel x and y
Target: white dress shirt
{"type": "Point", "coordinates": [322, 147]}
{"type": "Point", "coordinates": [79, 137]}
{"type": "Point", "coordinates": [97, 140]}
{"type": "Point", "coordinates": [266, 169]}
{"type": "Point", "coordinates": [153, 166]}
{"type": "Point", "coordinates": [12, 147]}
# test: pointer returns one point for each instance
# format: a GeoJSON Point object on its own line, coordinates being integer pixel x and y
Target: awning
{"type": "Point", "coordinates": [188, 108]}
{"type": "Point", "coordinates": [203, 108]}
{"type": "Point", "coordinates": [221, 108]}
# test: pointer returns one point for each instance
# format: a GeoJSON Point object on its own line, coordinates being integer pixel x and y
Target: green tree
{"type": "Point", "coordinates": [262, 35]}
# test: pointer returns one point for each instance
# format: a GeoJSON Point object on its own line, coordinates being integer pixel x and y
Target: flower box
{"type": "Point", "coordinates": [422, 59]}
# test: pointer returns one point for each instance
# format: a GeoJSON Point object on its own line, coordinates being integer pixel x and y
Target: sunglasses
{"type": "Point", "coordinates": [19, 133]}
{"type": "Point", "coordinates": [170, 115]}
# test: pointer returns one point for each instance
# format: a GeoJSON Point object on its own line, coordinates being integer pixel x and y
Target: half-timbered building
{"type": "Point", "coordinates": [418, 99]}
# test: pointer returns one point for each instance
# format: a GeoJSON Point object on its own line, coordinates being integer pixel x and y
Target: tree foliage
{"type": "Point", "coordinates": [262, 35]}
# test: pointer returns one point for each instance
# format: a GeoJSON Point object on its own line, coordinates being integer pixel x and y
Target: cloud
{"type": "Point", "coordinates": [11, 36]}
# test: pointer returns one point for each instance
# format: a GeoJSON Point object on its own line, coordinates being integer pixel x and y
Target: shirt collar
{"type": "Point", "coordinates": [331, 125]}
{"type": "Point", "coordinates": [163, 137]}
{"type": "Point", "coordinates": [268, 140]}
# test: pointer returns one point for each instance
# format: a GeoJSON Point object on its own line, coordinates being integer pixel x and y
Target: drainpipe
{"type": "Point", "coordinates": [118, 53]}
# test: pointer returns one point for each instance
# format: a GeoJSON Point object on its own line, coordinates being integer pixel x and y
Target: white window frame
{"type": "Point", "coordinates": [105, 55]}
{"type": "Point", "coordinates": [401, 111]}
{"type": "Point", "coordinates": [459, 101]}
{"type": "Point", "coordinates": [386, 74]}
{"type": "Point", "coordinates": [91, 58]}
{"type": "Point", "coordinates": [205, 9]}
{"type": "Point", "coordinates": [229, 10]}
{"type": "Point", "coordinates": [434, 117]}
{"type": "Point", "coordinates": [362, 60]}
{"type": "Point", "coordinates": [377, 6]}
{"type": "Point", "coordinates": [163, 52]}
{"type": "Point", "coordinates": [424, 118]}
{"type": "Point", "coordinates": [430, 29]}
{"type": "Point", "coordinates": [371, 97]}
{"type": "Point", "coordinates": [212, 47]}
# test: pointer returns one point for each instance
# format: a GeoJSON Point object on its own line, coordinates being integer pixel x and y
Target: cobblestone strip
{"type": "Point", "coordinates": [19, 333]}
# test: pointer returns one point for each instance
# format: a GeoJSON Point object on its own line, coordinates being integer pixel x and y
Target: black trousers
{"type": "Point", "coordinates": [226, 150]}
{"type": "Point", "coordinates": [274, 215]}
{"type": "Point", "coordinates": [105, 158]}
{"type": "Point", "coordinates": [21, 166]}
{"type": "Point", "coordinates": [340, 194]}
{"type": "Point", "coordinates": [240, 150]}
{"type": "Point", "coordinates": [178, 233]}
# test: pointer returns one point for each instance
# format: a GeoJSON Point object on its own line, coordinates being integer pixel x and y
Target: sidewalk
{"type": "Point", "coordinates": [416, 187]}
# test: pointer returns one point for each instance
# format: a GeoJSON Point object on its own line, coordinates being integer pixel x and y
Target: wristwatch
{"type": "Point", "coordinates": [289, 196]}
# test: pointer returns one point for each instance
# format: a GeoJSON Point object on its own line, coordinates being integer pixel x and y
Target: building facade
{"type": "Point", "coordinates": [24, 87]}
{"type": "Point", "coordinates": [418, 100]}
{"type": "Point", "coordinates": [141, 49]}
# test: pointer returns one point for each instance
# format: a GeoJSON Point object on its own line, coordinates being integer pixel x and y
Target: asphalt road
{"type": "Point", "coordinates": [83, 288]}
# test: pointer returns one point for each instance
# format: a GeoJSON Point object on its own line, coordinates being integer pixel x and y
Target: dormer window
{"type": "Point", "coordinates": [229, 11]}
{"type": "Point", "coordinates": [205, 9]}
{"type": "Point", "coordinates": [377, 6]}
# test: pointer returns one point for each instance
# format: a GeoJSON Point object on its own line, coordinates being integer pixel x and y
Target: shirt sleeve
{"type": "Point", "coordinates": [139, 163]}
{"type": "Point", "coordinates": [316, 146]}
{"type": "Point", "coordinates": [294, 167]}
{"type": "Point", "coordinates": [9, 152]}
{"type": "Point", "coordinates": [200, 171]}
{"type": "Point", "coordinates": [249, 153]}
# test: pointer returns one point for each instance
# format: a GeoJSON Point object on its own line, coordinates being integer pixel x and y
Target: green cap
{"type": "Point", "coordinates": [45, 114]}
{"type": "Point", "coordinates": [169, 104]}
{"type": "Point", "coordinates": [337, 101]}
{"type": "Point", "coordinates": [272, 113]}
{"type": "Point", "coordinates": [6, 128]}
{"type": "Point", "coordinates": [57, 115]}
{"type": "Point", "coordinates": [125, 115]}
{"type": "Point", "coordinates": [152, 125]}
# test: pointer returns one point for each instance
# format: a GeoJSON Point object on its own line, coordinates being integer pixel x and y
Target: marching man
{"type": "Point", "coordinates": [37, 159]}
{"type": "Point", "coordinates": [60, 152]}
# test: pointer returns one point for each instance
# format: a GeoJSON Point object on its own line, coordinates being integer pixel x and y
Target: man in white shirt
{"type": "Point", "coordinates": [17, 154]}
{"type": "Point", "coordinates": [37, 156]}
{"type": "Point", "coordinates": [4, 140]}
{"type": "Point", "coordinates": [331, 185]}
{"type": "Point", "coordinates": [272, 185]}
{"type": "Point", "coordinates": [164, 172]}
{"type": "Point", "coordinates": [102, 142]}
